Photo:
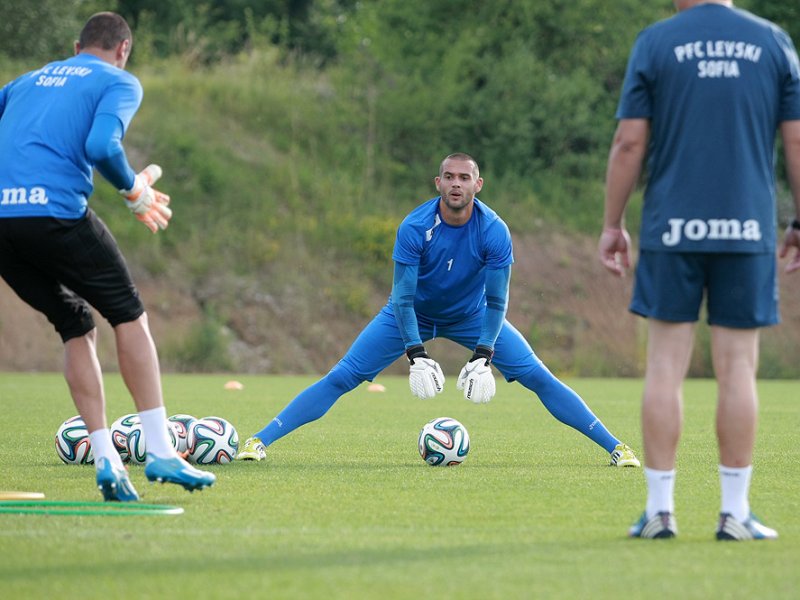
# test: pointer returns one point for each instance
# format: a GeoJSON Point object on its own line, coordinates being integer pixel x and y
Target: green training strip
{"type": "Point", "coordinates": [59, 507]}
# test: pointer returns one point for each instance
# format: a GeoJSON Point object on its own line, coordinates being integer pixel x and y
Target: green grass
{"type": "Point", "coordinates": [345, 508]}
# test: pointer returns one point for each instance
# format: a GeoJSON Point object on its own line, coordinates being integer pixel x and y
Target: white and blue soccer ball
{"type": "Point", "coordinates": [181, 424]}
{"type": "Point", "coordinates": [443, 442]}
{"type": "Point", "coordinates": [72, 442]}
{"type": "Point", "coordinates": [119, 434]}
{"type": "Point", "coordinates": [137, 444]}
{"type": "Point", "coordinates": [212, 440]}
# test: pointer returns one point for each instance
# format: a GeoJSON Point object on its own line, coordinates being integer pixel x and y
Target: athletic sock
{"type": "Point", "coordinates": [156, 438]}
{"type": "Point", "coordinates": [103, 447]}
{"type": "Point", "coordinates": [660, 491]}
{"type": "Point", "coordinates": [310, 404]}
{"type": "Point", "coordinates": [735, 485]}
{"type": "Point", "coordinates": [567, 406]}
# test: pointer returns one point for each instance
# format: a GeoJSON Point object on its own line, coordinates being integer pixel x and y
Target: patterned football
{"type": "Point", "coordinates": [212, 440]}
{"type": "Point", "coordinates": [443, 442]}
{"type": "Point", "coordinates": [72, 442]}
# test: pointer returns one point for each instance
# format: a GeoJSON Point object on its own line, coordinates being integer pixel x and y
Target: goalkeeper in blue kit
{"type": "Point", "coordinates": [56, 124]}
{"type": "Point", "coordinates": [452, 267]}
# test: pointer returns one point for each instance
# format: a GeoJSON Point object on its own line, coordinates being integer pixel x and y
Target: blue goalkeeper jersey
{"type": "Point", "coordinates": [715, 83]}
{"type": "Point", "coordinates": [452, 260]}
{"type": "Point", "coordinates": [45, 118]}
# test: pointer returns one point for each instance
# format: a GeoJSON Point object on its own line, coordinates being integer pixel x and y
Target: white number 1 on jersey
{"type": "Point", "coordinates": [449, 264]}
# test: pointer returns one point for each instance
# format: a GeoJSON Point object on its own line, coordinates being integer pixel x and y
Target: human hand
{"type": "Point", "coordinates": [476, 378]}
{"type": "Point", "coordinates": [791, 239]}
{"type": "Point", "coordinates": [613, 250]}
{"type": "Point", "coordinates": [425, 377]}
{"type": "Point", "coordinates": [146, 203]}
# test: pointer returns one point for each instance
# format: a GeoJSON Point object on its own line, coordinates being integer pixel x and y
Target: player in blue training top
{"type": "Point", "coordinates": [452, 267]}
{"type": "Point", "coordinates": [56, 124]}
{"type": "Point", "coordinates": [704, 94]}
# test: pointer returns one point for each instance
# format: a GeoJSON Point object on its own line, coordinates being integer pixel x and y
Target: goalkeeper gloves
{"type": "Point", "coordinates": [476, 377]}
{"type": "Point", "coordinates": [147, 204]}
{"type": "Point", "coordinates": [425, 376]}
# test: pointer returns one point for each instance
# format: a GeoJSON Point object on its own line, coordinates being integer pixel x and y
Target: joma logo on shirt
{"type": "Point", "coordinates": [34, 195]}
{"type": "Point", "coordinates": [714, 229]}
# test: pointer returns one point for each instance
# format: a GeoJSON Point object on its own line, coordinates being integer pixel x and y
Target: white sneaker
{"type": "Point", "coordinates": [730, 528]}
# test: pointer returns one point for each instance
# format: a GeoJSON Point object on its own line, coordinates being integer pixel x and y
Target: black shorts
{"type": "Point", "coordinates": [61, 266]}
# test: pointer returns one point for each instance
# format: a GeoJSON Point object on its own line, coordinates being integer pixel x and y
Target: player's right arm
{"type": "Point", "coordinates": [104, 149]}
{"type": "Point", "coordinates": [425, 376]}
{"type": "Point", "coordinates": [624, 167]}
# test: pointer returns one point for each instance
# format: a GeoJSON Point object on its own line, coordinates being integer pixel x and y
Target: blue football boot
{"type": "Point", "coordinates": [178, 471]}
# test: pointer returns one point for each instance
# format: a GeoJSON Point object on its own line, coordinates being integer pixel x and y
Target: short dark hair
{"type": "Point", "coordinates": [460, 156]}
{"type": "Point", "coordinates": [104, 30]}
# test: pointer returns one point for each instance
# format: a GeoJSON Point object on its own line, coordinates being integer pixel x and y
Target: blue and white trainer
{"type": "Point", "coordinates": [178, 471]}
{"type": "Point", "coordinates": [730, 528]}
{"type": "Point", "coordinates": [114, 483]}
{"type": "Point", "coordinates": [661, 526]}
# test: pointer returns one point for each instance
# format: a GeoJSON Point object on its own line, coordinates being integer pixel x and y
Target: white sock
{"type": "Point", "coordinates": [103, 447]}
{"type": "Point", "coordinates": [156, 438]}
{"type": "Point", "coordinates": [660, 491]}
{"type": "Point", "coordinates": [735, 485]}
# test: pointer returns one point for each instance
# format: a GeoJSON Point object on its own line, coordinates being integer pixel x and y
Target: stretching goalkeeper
{"type": "Point", "coordinates": [452, 267]}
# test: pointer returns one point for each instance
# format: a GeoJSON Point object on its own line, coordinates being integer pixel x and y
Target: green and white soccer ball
{"type": "Point", "coordinates": [120, 429]}
{"type": "Point", "coordinates": [443, 442]}
{"type": "Point", "coordinates": [137, 444]}
{"type": "Point", "coordinates": [72, 442]}
{"type": "Point", "coordinates": [182, 423]}
{"type": "Point", "coordinates": [212, 440]}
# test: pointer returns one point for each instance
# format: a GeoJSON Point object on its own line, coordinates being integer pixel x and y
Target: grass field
{"type": "Point", "coordinates": [345, 508]}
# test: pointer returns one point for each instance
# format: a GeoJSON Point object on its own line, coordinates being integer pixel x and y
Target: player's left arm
{"type": "Point", "coordinates": [497, 284]}
{"type": "Point", "coordinates": [790, 132]}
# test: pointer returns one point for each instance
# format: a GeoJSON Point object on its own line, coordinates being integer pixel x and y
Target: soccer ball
{"type": "Point", "coordinates": [72, 442]}
{"type": "Point", "coordinates": [212, 440]}
{"type": "Point", "coordinates": [136, 443]}
{"type": "Point", "coordinates": [443, 442]}
{"type": "Point", "coordinates": [119, 434]}
{"type": "Point", "coordinates": [182, 424]}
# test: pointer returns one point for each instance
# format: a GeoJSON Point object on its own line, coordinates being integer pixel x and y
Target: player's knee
{"type": "Point", "coordinates": [537, 378]}
{"type": "Point", "coordinates": [75, 325]}
{"type": "Point", "coordinates": [343, 379]}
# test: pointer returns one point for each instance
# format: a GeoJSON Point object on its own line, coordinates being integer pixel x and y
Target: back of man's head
{"type": "Point", "coordinates": [104, 30]}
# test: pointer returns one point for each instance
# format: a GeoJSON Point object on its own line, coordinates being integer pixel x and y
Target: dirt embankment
{"type": "Point", "coordinates": [573, 313]}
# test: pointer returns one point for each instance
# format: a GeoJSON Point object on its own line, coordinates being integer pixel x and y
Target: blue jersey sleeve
{"type": "Point", "coordinates": [497, 281]}
{"type": "Point", "coordinates": [121, 100]}
{"type": "Point", "coordinates": [408, 244]}
{"type": "Point", "coordinates": [404, 288]}
{"type": "Point", "coordinates": [790, 90]}
{"type": "Point", "coordinates": [636, 101]}
{"type": "Point", "coordinates": [498, 248]}
{"type": "Point", "coordinates": [104, 149]}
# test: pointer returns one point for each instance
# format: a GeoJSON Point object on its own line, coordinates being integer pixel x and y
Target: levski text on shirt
{"type": "Point", "coordinates": [720, 53]}
{"type": "Point", "coordinates": [713, 229]}
{"type": "Point", "coordinates": [58, 75]}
